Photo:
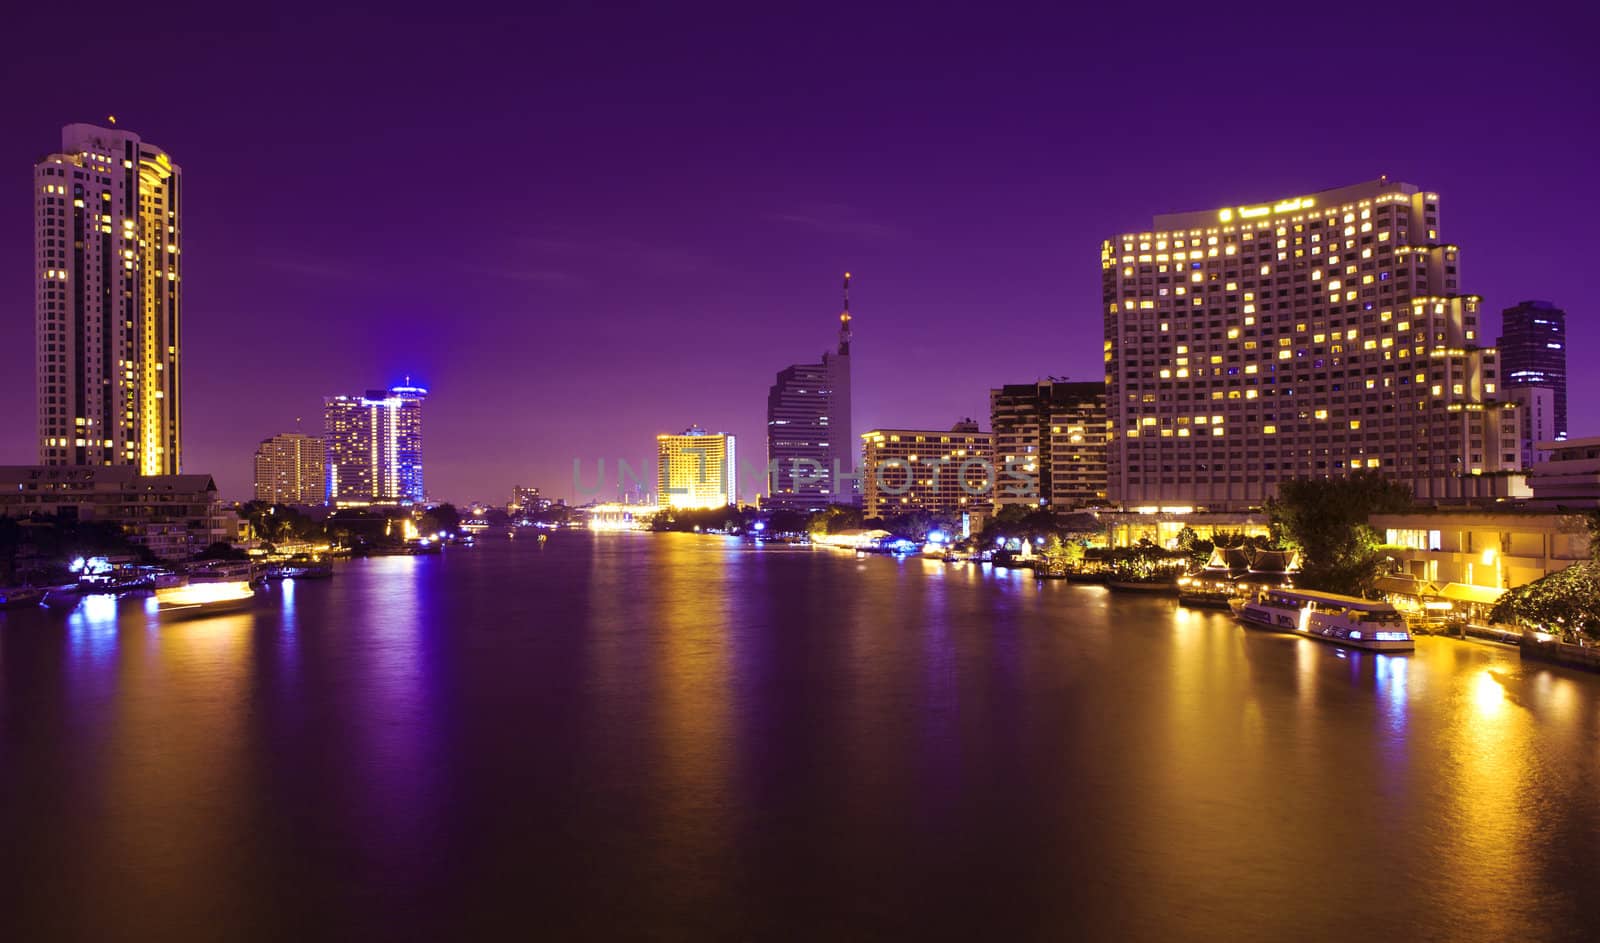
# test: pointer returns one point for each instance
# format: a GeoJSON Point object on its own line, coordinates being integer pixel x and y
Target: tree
{"type": "Point", "coordinates": [1326, 518]}
{"type": "Point", "coordinates": [441, 518]}
{"type": "Point", "coordinates": [1565, 603]}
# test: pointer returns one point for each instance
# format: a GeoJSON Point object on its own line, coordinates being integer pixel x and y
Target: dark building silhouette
{"type": "Point", "coordinates": [1533, 352]}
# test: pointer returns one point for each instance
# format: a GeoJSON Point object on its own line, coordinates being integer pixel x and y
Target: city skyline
{"type": "Point", "coordinates": [974, 261]}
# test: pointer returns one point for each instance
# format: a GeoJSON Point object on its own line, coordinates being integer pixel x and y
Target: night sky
{"type": "Point", "coordinates": [581, 225]}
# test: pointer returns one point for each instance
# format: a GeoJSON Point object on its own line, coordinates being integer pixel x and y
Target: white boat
{"type": "Point", "coordinates": [222, 587]}
{"type": "Point", "coordinates": [1328, 617]}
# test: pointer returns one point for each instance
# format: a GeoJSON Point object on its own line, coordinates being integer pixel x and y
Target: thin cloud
{"type": "Point", "coordinates": [839, 219]}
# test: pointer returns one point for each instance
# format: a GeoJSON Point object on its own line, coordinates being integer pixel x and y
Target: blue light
{"type": "Point", "coordinates": [937, 537]}
{"type": "Point", "coordinates": [759, 526]}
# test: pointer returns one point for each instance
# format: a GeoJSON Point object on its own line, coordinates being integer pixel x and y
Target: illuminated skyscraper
{"type": "Point", "coordinates": [808, 430]}
{"type": "Point", "coordinates": [1533, 352]}
{"type": "Point", "coordinates": [290, 470]}
{"type": "Point", "coordinates": [107, 222]}
{"type": "Point", "coordinates": [374, 447]}
{"type": "Point", "coordinates": [696, 469]}
{"type": "Point", "coordinates": [1310, 337]}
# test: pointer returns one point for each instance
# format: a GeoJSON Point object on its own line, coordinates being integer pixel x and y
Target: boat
{"type": "Point", "coordinates": [219, 587]}
{"type": "Point", "coordinates": [1206, 591]}
{"type": "Point", "coordinates": [301, 568]}
{"type": "Point", "coordinates": [21, 597]}
{"type": "Point", "coordinates": [1163, 587]}
{"type": "Point", "coordinates": [1327, 617]}
{"type": "Point", "coordinates": [63, 597]}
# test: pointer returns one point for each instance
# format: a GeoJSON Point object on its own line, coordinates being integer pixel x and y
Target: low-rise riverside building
{"type": "Point", "coordinates": [1570, 476]}
{"type": "Point", "coordinates": [1485, 552]}
{"type": "Point", "coordinates": [1162, 525]}
{"type": "Point", "coordinates": [173, 515]}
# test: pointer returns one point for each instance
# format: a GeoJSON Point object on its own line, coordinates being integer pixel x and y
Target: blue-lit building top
{"type": "Point", "coordinates": [1533, 352]}
{"type": "Point", "coordinates": [374, 447]}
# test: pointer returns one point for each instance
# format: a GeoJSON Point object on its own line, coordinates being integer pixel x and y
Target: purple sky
{"type": "Point", "coordinates": [585, 225]}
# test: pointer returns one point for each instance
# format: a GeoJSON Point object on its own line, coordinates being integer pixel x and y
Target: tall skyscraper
{"type": "Point", "coordinates": [290, 469]}
{"type": "Point", "coordinates": [696, 469]}
{"type": "Point", "coordinates": [107, 224]}
{"type": "Point", "coordinates": [1307, 337]}
{"type": "Point", "coordinates": [1533, 352]}
{"type": "Point", "coordinates": [1053, 433]}
{"type": "Point", "coordinates": [808, 430]}
{"type": "Point", "coordinates": [945, 472]}
{"type": "Point", "coordinates": [374, 447]}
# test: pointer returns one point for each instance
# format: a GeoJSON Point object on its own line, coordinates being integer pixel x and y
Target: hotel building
{"type": "Point", "coordinates": [291, 469]}
{"type": "Point", "coordinates": [1305, 337]}
{"type": "Point", "coordinates": [108, 283]}
{"type": "Point", "coordinates": [172, 515]}
{"type": "Point", "coordinates": [945, 472]}
{"type": "Point", "coordinates": [1533, 352]}
{"type": "Point", "coordinates": [808, 430]}
{"type": "Point", "coordinates": [1053, 433]}
{"type": "Point", "coordinates": [373, 447]}
{"type": "Point", "coordinates": [696, 469]}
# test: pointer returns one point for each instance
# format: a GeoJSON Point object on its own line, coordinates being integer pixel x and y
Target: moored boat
{"type": "Point", "coordinates": [220, 587]}
{"type": "Point", "coordinates": [1327, 617]}
{"type": "Point", "coordinates": [1161, 587]}
{"type": "Point", "coordinates": [21, 597]}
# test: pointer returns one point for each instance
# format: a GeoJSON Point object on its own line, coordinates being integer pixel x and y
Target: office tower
{"type": "Point", "coordinates": [374, 447]}
{"type": "Point", "coordinates": [1535, 415]}
{"type": "Point", "coordinates": [696, 469]}
{"type": "Point", "coordinates": [945, 472]}
{"type": "Point", "coordinates": [290, 469]}
{"type": "Point", "coordinates": [808, 430]}
{"type": "Point", "coordinates": [1306, 337]}
{"type": "Point", "coordinates": [107, 223]}
{"type": "Point", "coordinates": [526, 499]}
{"type": "Point", "coordinates": [1533, 352]}
{"type": "Point", "coordinates": [1052, 434]}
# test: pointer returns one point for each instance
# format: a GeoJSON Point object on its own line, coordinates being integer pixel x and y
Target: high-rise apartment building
{"type": "Point", "coordinates": [696, 469]}
{"type": "Point", "coordinates": [1536, 422]}
{"type": "Point", "coordinates": [1533, 352]}
{"type": "Point", "coordinates": [374, 447]}
{"type": "Point", "coordinates": [1050, 443]}
{"type": "Point", "coordinates": [107, 228]}
{"type": "Point", "coordinates": [290, 469]}
{"type": "Point", "coordinates": [1308, 337]}
{"type": "Point", "coordinates": [808, 430]}
{"type": "Point", "coordinates": [945, 472]}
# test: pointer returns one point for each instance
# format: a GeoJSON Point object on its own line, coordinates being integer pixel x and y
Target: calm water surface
{"type": "Point", "coordinates": [670, 736]}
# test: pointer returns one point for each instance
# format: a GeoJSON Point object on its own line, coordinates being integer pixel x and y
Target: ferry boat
{"type": "Point", "coordinates": [221, 587]}
{"type": "Point", "coordinates": [1328, 617]}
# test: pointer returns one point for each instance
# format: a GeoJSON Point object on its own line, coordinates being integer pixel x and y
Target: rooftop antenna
{"type": "Point", "coordinates": [844, 320]}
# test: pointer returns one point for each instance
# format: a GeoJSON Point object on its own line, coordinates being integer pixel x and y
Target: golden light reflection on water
{"type": "Point", "coordinates": [179, 752]}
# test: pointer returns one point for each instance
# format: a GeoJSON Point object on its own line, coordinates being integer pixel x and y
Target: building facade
{"type": "Point", "coordinates": [1050, 443]}
{"type": "Point", "coordinates": [696, 469]}
{"type": "Point", "coordinates": [1535, 415]}
{"type": "Point", "coordinates": [1533, 352]}
{"type": "Point", "coordinates": [108, 284]}
{"type": "Point", "coordinates": [373, 447]}
{"type": "Point", "coordinates": [291, 469]}
{"type": "Point", "coordinates": [808, 430]}
{"type": "Point", "coordinates": [173, 515]}
{"type": "Point", "coordinates": [1569, 476]}
{"type": "Point", "coordinates": [1493, 550]}
{"type": "Point", "coordinates": [1305, 337]}
{"type": "Point", "coordinates": [943, 472]}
